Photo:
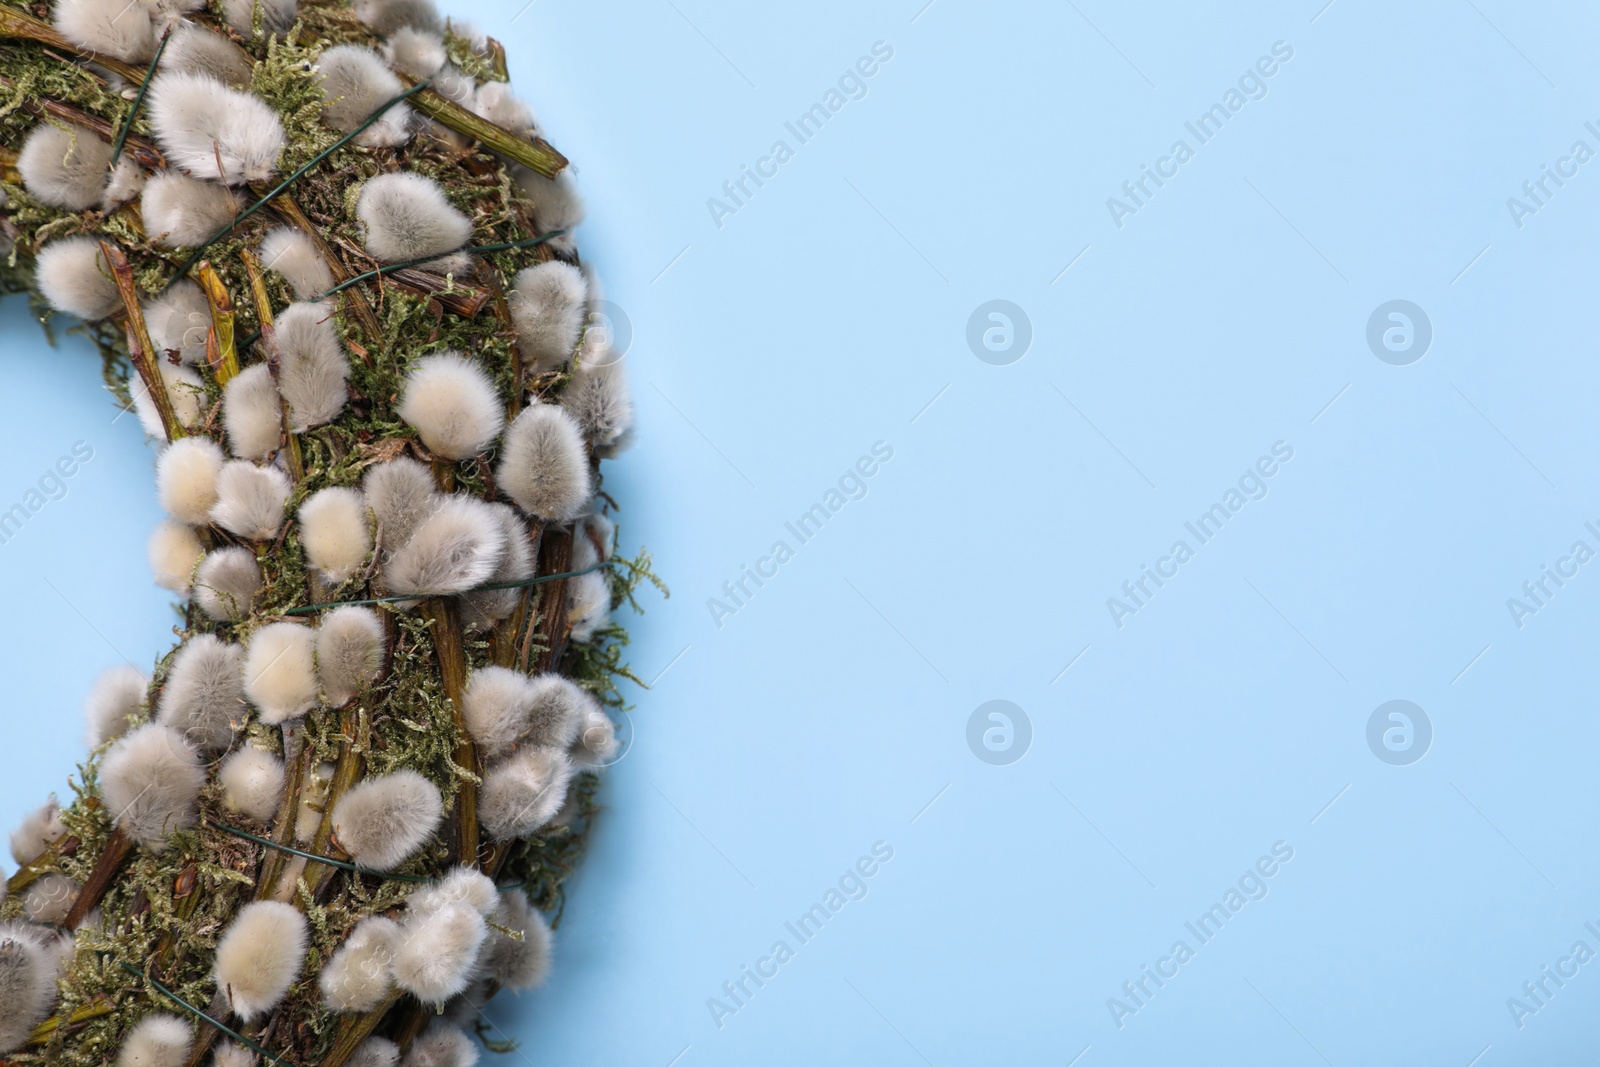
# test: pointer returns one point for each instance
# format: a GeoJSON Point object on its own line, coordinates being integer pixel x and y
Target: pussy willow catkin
{"type": "Point", "coordinates": [328, 256]}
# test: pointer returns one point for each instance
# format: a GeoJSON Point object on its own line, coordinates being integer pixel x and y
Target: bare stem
{"type": "Point", "coordinates": [355, 730]}
{"type": "Point", "coordinates": [354, 1029]}
{"type": "Point", "coordinates": [444, 621]}
{"type": "Point", "coordinates": [354, 302]}
{"type": "Point", "coordinates": [537, 155]}
{"type": "Point", "coordinates": [141, 352]}
{"type": "Point", "coordinates": [226, 362]}
{"type": "Point", "coordinates": [48, 1029]}
{"type": "Point", "coordinates": [118, 848]}
{"type": "Point", "coordinates": [288, 808]}
{"type": "Point", "coordinates": [19, 26]}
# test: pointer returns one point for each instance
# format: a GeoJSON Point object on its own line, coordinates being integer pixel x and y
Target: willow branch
{"type": "Point", "coordinates": [141, 352]}
{"type": "Point", "coordinates": [355, 302]}
{"type": "Point", "coordinates": [23, 27]}
{"type": "Point", "coordinates": [221, 351]}
{"type": "Point", "coordinates": [445, 625]}
{"type": "Point", "coordinates": [118, 848]}
{"type": "Point", "coordinates": [537, 155]}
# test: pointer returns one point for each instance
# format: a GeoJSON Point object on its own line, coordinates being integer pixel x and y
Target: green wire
{"type": "Point", "coordinates": [296, 176]}
{"type": "Point", "coordinates": [248, 836]}
{"type": "Point", "coordinates": [309, 608]}
{"type": "Point", "coordinates": [258, 839]}
{"type": "Point", "coordinates": [170, 995]}
{"type": "Point", "coordinates": [144, 87]}
{"type": "Point", "coordinates": [392, 267]}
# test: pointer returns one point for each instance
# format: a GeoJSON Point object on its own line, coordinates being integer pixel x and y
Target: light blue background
{"type": "Point", "coordinates": [829, 711]}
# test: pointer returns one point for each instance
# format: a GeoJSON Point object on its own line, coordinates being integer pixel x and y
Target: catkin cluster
{"type": "Point", "coordinates": [333, 254]}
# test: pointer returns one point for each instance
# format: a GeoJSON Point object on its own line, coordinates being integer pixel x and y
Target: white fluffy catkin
{"type": "Point", "coordinates": [401, 493]}
{"type": "Point", "coordinates": [276, 15]}
{"type": "Point", "coordinates": [203, 694]}
{"type": "Point", "coordinates": [114, 28]}
{"type": "Point", "coordinates": [442, 1044]}
{"type": "Point", "coordinates": [556, 709]}
{"type": "Point", "coordinates": [250, 500]}
{"type": "Point", "coordinates": [159, 1040]}
{"type": "Point", "coordinates": [186, 478]}
{"type": "Point", "coordinates": [386, 16]}
{"type": "Point", "coordinates": [356, 83]}
{"type": "Point", "coordinates": [455, 548]}
{"type": "Point", "coordinates": [383, 820]}
{"type": "Point", "coordinates": [496, 102]}
{"type": "Point", "coordinates": [523, 792]}
{"type": "Point", "coordinates": [226, 584]}
{"type": "Point", "coordinates": [37, 832]}
{"type": "Point", "coordinates": [407, 217]}
{"type": "Point", "coordinates": [360, 975]}
{"type": "Point", "coordinates": [280, 674]}
{"type": "Point", "coordinates": [517, 964]}
{"type": "Point", "coordinates": [313, 367]}
{"type": "Point", "coordinates": [117, 693]}
{"type": "Point", "coordinates": [179, 320]}
{"type": "Point", "coordinates": [64, 167]}
{"type": "Point", "coordinates": [543, 465]}
{"type": "Point", "coordinates": [375, 1052]}
{"type": "Point", "coordinates": [150, 780]}
{"type": "Point", "coordinates": [260, 956]}
{"type": "Point", "coordinates": [436, 950]}
{"type": "Point", "coordinates": [483, 609]}
{"type": "Point", "coordinates": [233, 1054]}
{"type": "Point", "coordinates": [173, 551]}
{"type": "Point", "coordinates": [462, 885]}
{"type": "Point", "coordinates": [212, 131]}
{"type": "Point", "coordinates": [74, 278]}
{"type": "Point", "coordinates": [126, 182]}
{"type": "Point", "coordinates": [588, 605]}
{"type": "Point", "coordinates": [251, 413]}
{"type": "Point", "coordinates": [350, 650]}
{"type": "Point", "coordinates": [185, 391]}
{"type": "Point", "coordinates": [597, 744]}
{"type": "Point", "coordinates": [495, 709]}
{"type": "Point", "coordinates": [453, 404]}
{"type": "Point", "coordinates": [548, 308]}
{"type": "Point", "coordinates": [295, 256]}
{"type": "Point", "coordinates": [182, 212]}
{"type": "Point", "coordinates": [419, 53]}
{"type": "Point", "coordinates": [195, 49]}
{"type": "Point", "coordinates": [49, 898]}
{"type": "Point", "coordinates": [334, 532]}
{"type": "Point", "coordinates": [557, 204]}
{"type": "Point", "coordinates": [598, 398]}
{"type": "Point", "coordinates": [252, 783]}
{"type": "Point", "coordinates": [27, 983]}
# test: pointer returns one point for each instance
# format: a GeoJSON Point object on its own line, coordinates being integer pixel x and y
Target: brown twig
{"type": "Point", "coordinates": [221, 350]}
{"type": "Point", "coordinates": [272, 864]}
{"type": "Point", "coordinates": [354, 730]}
{"type": "Point", "coordinates": [141, 352]}
{"type": "Point", "coordinates": [444, 622]}
{"type": "Point", "coordinates": [557, 555]}
{"type": "Point", "coordinates": [118, 848]}
{"type": "Point", "coordinates": [354, 1029]}
{"type": "Point", "coordinates": [19, 26]}
{"type": "Point", "coordinates": [537, 155]}
{"type": "Point", "coordinates": [355, 302]}
{"type": "Point", "coordinates": [144, 152]}
{"type": "Point", "coordinates": [465, 300]}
